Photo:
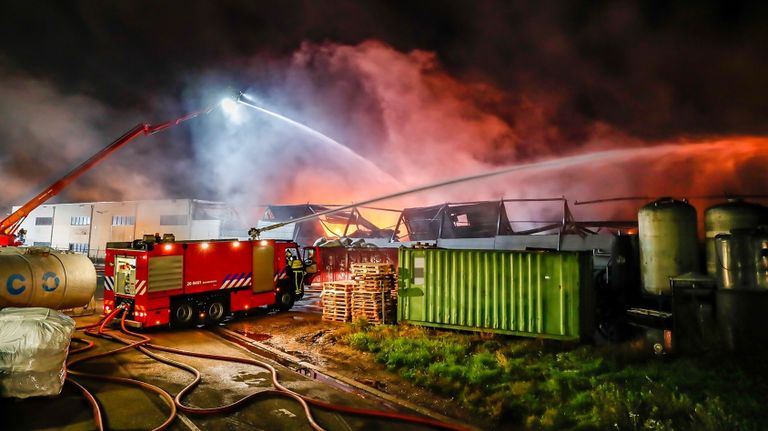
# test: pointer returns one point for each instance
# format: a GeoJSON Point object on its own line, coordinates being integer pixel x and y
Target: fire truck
{"type": "Point", "coordinates": [165, 282]}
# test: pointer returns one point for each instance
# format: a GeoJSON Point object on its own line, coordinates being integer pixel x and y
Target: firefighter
{"type": "Point", "coordinates": [294, 269]}
{"type": "Point", "coordinates": [297, 267]}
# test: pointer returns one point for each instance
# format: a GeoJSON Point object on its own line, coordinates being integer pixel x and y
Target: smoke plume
{"type": "Point", "coordinates": [45, 133]}
{"type": "Point", "coordinates": [406, 114]}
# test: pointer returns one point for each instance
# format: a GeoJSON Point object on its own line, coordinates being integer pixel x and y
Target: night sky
{"type": "Point", "coordinates": [649, 72]}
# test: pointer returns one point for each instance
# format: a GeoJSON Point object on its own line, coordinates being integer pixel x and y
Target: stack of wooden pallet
{"type": "Point", "coordinates": [372, 297]}
{"type": "Point", "coordinates": [337, 300]}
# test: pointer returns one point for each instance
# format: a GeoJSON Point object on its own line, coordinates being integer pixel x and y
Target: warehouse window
{"type": "Point", "coordinates": [78, 247]}
{"type": "Point", "coordinates": [41, 244]}
{"type": "Point", "coordinates": [123, 220]}
{"type": "Point", "coordinates": [43, 221]}
{"type": "Point", "coordinates": [173, 220]}
{"type": "Point", "coordinates": [80, 220]}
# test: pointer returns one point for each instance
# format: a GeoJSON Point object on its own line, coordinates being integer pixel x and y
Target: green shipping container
{"type": "Point", "coordinates": [528, 293]}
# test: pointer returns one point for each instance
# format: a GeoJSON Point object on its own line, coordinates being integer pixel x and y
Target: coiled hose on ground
{"type": "Point", "coordinates": [143, 344]}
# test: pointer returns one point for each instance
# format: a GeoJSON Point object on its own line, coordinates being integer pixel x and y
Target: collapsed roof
{"type": "Point", "coordinates": [488, 219]}
{"type": "Point", "coordinates": [344, 223]}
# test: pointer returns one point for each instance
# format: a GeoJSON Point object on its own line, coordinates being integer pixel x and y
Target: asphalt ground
{"type": "Point", "coordinates": [130, 408]}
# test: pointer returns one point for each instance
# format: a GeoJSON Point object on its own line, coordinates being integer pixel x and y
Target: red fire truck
{"type": "Point", "coordinates": [182, 283]}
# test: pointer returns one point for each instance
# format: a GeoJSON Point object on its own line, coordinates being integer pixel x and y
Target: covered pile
{"type": "Point", "coordinates": [33, 347]}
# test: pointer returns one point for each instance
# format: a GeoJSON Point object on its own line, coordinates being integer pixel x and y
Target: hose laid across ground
{"type": "Point", "coordinates": [98, 416]}
{"type": "Point", "coordinates": [144, 345]}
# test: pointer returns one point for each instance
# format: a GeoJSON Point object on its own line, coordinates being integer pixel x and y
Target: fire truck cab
{"type": "Point", "coordinates": [181, 283]}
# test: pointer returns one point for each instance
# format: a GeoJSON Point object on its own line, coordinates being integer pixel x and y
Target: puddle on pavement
{"type": "Point", "coordinates": [255, 336]}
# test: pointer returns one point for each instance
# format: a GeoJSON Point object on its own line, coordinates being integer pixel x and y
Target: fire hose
{"type": "Point", "coordinates": [144, 345]}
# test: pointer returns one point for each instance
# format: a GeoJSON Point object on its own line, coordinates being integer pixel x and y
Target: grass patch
{"type": "Point", "coordinates": [550, 386]}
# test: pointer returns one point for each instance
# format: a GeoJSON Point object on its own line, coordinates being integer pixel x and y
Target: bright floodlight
{"type": "Point", "coordinates": [231, 110]}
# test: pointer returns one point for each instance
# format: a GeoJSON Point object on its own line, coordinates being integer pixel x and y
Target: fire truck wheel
{"type": "Point", "coordinates": [284, 300]}
{"type": "Point", "coordinates": [216, 311]}
{"type": "Point", "coordinates": [183, 313]}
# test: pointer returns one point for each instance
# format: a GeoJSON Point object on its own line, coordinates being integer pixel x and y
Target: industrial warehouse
{"type": "Point", "coordinates": [342, 216]}
{"type": "Point", "coordinates": [87, 227]}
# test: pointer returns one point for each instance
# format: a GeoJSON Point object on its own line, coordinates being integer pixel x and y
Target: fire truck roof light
{"type": "Point", "coordinates": [204, 245]}
{"type": "Point", "coordinates": [263, 242]}
{"type": "Point", "coordinates": [168, 247]}
{"type": "Point", "coordinates": [236, 244]}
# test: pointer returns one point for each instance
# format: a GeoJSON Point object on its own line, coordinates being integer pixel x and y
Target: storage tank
{"type": "Point", "coordinates": [760, 247]}
{"type": "Point", "coordinates": [42, 277]}
{"type": "Point", "coordinates": [722, 218]}
{"type": "Point", "coordinates": [741, 259]}
{"type": "Point", "coordinates": [668, 243]}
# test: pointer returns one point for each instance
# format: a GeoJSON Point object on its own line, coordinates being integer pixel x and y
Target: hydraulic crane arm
{"type": "Point", "coordinates": [9, 226]}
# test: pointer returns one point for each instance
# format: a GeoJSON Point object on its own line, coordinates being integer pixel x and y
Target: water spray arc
{"type": "Point", "coordinates": [562, 162]}
{"type": "Point", "coordinates": [243, 99]}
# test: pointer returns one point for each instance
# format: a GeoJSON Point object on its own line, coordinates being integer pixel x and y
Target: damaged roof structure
{"type": "Point", "coordinates": [351, 224]}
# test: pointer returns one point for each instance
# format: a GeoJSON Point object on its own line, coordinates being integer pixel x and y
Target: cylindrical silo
{"type": "Point", "coordinates": [760, 250]}
{"type": "Point", "coordinates": [668, 243]}
{"type": "Point", "coordinates": [42, 277]}
{"type": "Point", "coordinates": [722, 218]}
{"type": "Point", "coordinates": [735, 260]}
{"type": "Point", "coordinates": [741, 259]}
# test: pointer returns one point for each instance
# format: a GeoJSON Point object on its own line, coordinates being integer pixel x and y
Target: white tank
{"type": "Point", "coordinates": [42, 277]}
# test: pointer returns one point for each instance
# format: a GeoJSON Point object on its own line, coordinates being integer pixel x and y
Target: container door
{"type": "Point", "coordinates": [413, 294]}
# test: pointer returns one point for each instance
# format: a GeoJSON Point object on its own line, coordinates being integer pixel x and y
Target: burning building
{"type": "Point", "coordinates": [342, 225]}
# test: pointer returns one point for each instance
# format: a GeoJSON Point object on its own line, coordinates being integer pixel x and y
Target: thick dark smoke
{"type": "Point", "coordinates": [652, 69]}
{"type": "Point", "coordinates": [426, 90]}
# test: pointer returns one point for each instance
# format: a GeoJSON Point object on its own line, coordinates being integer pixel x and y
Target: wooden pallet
{"type": "Point", "coordinates": [337, 300]}
{"type": "Point", "coordinates": [329, 318]}
{"type": "Point", "coordinates": [371, 297]}
{"type": "Point", "coordinates": [369, 313]}
{"type": "Point", "coordinates": [377, 299]}
{"type": "Point", "coordinates": [372, 268]}
{"type": "Point", "coordinates": [372, 290]}
{"type": "Point", "coordinates": [375, 282]}
{"type": "Point", "coordinates": [371, 317]}
{"type": "Point", "coordinates": [375, 278]}
{"type": "Point", "coordinates": [342, 285]}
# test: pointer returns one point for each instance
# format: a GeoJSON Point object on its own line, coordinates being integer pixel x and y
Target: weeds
{"type": "Point", "coordinates": [535, 385]}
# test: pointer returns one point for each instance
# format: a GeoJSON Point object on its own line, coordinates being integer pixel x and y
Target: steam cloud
{"type": "Point", "coordinates": [406, 114]}
{"type": "Point", "coordinates": [46, 133]}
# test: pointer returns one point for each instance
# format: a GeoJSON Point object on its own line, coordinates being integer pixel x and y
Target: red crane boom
{"type": "Point", "coordinates": [10, 225]}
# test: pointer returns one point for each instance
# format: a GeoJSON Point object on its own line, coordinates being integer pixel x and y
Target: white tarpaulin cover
{"type": "Point", "coordinates": [33, 347]}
